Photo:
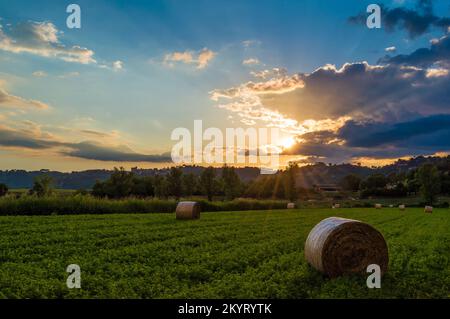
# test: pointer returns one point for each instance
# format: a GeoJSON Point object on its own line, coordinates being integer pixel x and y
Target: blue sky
{"type": "Point", "coordinates": [133, 108]}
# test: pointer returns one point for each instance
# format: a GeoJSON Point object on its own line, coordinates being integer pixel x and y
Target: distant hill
{"type": "Point", "coordinates": [319, 173]}
{"type": "Point", "coordinates": [86, 179]}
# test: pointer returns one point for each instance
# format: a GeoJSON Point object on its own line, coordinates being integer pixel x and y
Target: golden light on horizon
{"type": "Point", "coordinates": [288, 142]}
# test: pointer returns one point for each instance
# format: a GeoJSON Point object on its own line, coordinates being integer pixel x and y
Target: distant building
{"type": "Point", "coordinates": [327, 188]}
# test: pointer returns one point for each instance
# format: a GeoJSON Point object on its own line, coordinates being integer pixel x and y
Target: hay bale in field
{"type": "Point", "coordinates": [291, 205]}
{"type": "Point", "coordinates": [378, 206]}
{"type": "Point", "coordinates": [336, 206]}
{"type": "Point", "coordinates": [188, 210]}
{"type": "Point", "coordinates": [338, 246]}
{"type": "Point", "coordinates": [402, 207]}
{"type": "Point", "coordinates": [428, 209]}
{"type": "Point", "coordinates": [391, 206]}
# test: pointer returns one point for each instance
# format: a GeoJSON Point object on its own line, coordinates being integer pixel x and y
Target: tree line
{"type": "Point", "coordinates": [428, 180]}
{"type": "Point", "coordinates": [209, 184]}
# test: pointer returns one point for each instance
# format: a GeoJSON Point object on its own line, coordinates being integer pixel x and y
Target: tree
{"type": "Point", "coordinates": [231, 182]}
{"type": "Point", "coordinates": [290, 188]}
{"type": "Point", "coordinates": [429, 180]}
{"type": "Point", "coordinates": [208, 182]}
{"type": "Point", "coordinates": [161, 186]}
{"type": "Point", "coordinates": [98, 189]}
{"type": "Point", "coordinates": [174, 179]}
{"type": "Point", "coordinates": [445, 183]}
{"type": "Point", "coordinates": [412, 183]}
{"type": "Point", "coordinates": [189, 184]}
{"type": "Point", "coordinates": [143, 186]}
{"type": "Point", "coordinates": [43, 185]}
{"type": "Point", "coordinates": [278, 187]}
{"type": "Point", "coordinates": [351, 182]}
{"type": "Point", "coordinates": [120, 183]}
{"type": "Point", "coordinates": [375, 181]}
{"type": "Point", "coordinates": [3, 189]}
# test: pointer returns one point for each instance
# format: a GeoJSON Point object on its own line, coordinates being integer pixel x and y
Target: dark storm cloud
{"type": "Point", "coordinates": [424, 135]}
{"type": "Point", "coordinates": [101, 153]}
{"type": "Point", "coordinates": [361, 90]}
{"type": "Point", "coordinates": [13, 138]}
{"type": "Point", "coordinates": [438, 53]}
{"type": "Point", "coordinates": [414, 21]}
{"type": "Point", "coordinates": [86, 150]}
{"type": "Point", "coordinates": [377, 134]}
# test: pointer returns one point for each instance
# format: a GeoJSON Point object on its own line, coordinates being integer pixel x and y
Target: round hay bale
{"type": "Point", "coordinates": [402, 207]}
{"type": "Point", "coordinates": [428, 209]}
{"type": "Point", "coordinates": [291, 205]}
{"type": "Point", "coordinates": [378, 206]}
{"type": "Point", "coordinates": [188, 210]}
{"type": "Point", "coordinates": [338, 246]}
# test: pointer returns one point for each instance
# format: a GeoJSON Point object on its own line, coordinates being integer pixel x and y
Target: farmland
{"type": "Point", "coordinates": [252, 254]}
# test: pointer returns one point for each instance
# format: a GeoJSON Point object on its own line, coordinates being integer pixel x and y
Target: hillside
{"type": "Point", "coordinates": [319, 173]}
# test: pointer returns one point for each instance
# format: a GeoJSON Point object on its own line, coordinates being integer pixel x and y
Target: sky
{"type": "Point", "coordinates": [111, 92]}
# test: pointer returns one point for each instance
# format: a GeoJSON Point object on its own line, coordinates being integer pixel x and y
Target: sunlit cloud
{"type": "Point", "coordinates": [434, 73]}
{"type": "Point", "coordinates": [200, 59]}
{"type": "Point", "coordinates": [42, 38]}
{"type": "Point", "coordinates": [13, 101]}
{"type": "Point", "coordinates": [28, 136]}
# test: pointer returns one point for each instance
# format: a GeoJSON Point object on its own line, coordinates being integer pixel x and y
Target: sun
{"type": "Point", "coordinates": [287, 142]}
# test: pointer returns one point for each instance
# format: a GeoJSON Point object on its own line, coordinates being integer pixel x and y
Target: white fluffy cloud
{"type": "Point", "coordinates": [390, 49]}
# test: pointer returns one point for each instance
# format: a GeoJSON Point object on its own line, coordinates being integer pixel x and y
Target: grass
{"type": "Point", "coordinates": [253, 254]}
{"type": "Point", "coordinates": [85, 204]}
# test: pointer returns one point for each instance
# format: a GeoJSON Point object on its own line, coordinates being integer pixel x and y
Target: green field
{"type": "Point", "coordinates": [253, 254]}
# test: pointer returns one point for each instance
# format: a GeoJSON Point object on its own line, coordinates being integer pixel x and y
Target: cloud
{"type": "Point", "coordinates": [42, 38]}
{"type": "Point", "coordinates": [390, 49]}
{"type": "Point", "coordinates": [399, 107]}
{"type": "Point", "coordinates": [69, 75]}
{"type": "Point", "coordinates": [414, 21]}
{"type": "Point", "coordinates": [372, 134]}
{"type": "Point", "coordinates": [251, 61]}
{"type": "Point", "coordinates": [423, 135]}
{"type": "Point", "coordinates": [39, 74]}
{"type": "Point", "coordinates": [435, 73]}
{"type": "Point", "coordinates": [250, 43]}
{"type": "Point", "coordinates": [271, 73]}
{"type": "Point", "coordinates": [204, 58]}
{"type": "Point", "coordinates": [93, 151]}
{"type": "Point", "coordinates": [363, 90]}
{"type": "Point", "coordinates": [30, 137]}
{"type": "Point", "coordinates": [437, 54]}
{"type": "Point", "coordinates": [117, 65]}
{"type": "Point", "coordinates": [201, 59]}
{"type": "Point", "coordinates": [9, 100]}
{"type": "Point", "coordinates": [357, 90]}
{"type": "Point", "coordinates": [276, 85]}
